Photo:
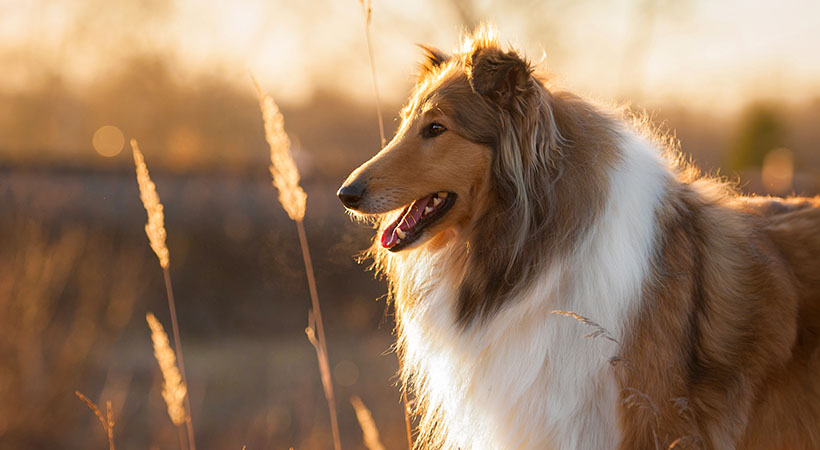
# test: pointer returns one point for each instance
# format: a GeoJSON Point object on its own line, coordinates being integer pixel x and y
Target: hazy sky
{"type": "Point", "coordinates": [703, 53]}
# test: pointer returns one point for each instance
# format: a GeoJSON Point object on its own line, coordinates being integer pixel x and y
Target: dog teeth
{"type": "Point", "coordinates": [400, 233]}
{"type": "Point", "coordinates": [428, 210]}
{"type": "Point", "coordinates": [437, 201]}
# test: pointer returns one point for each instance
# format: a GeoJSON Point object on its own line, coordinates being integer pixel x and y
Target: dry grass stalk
{"type": "Point", "coordinates": [155, 228]}
{"type": "Point", "coordinates": [189, 425]}
{"type": "Point", "coordinates": [293, 199]}
{"type": "Point", "coordinates": [324, 366]}
{"type": "Point", "coordinates": [368, 13]}
{"type": "Point", "coordinates": [633, 398]}
{"type": "Point", "coordinates": [599, 331]}
{"type": "Point", "coordinates": [283, 168]}
{"type": "Point", "coordinates": [369, 430]}
{"type": "Point", "coordinates": [173, 388]}
{"type": "Point", "coordinates": [107, 420]}
{"type": "Point", "coordinates": [367, 17]}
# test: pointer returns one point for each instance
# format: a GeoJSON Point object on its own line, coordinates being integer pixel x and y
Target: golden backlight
{"type": "Point", "coordinates": [737, 83]}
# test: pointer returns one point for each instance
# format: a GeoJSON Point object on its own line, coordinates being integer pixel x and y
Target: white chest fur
{"type": "Point", "coordinates": [528, 378]}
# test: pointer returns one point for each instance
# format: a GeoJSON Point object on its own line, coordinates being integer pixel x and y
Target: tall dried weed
{"type": "Point", "coordinates": [282, 169]}
{"type": "Point", "coordinates": [155, 229]}
{"type": "Point", "coordinates": [106, 420]}
{"type": "Point", "coordinates": [368, 16]}
{"type": "Point", "coordinates": [293, 199]}
{"type": "Point", "coordinates": [369, 430]}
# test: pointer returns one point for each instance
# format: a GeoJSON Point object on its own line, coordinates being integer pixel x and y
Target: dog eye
{"type": "Point", "coordinates": [433, 130]}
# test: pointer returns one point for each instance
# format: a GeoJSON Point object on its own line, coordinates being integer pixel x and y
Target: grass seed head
{"type": "Point", "coordinates": [107, 421]}
{"type": "Point", "coordinates": [283, 168]}
{"type": "Point", "coordinates": [173, 388]}
{"type": "Point", "coordinates": [155, 228]}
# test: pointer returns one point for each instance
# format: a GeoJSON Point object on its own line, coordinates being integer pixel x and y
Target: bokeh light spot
{"type": "Point", "coordinates": [108, 141]}
{"type": "Point", "coordinates": [346, 373]}
{"type": "Point", "coordinates": [778, 171]}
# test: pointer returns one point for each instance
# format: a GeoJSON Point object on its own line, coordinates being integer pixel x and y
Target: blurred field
{"type": "Point", "coordinates": [77, 275]}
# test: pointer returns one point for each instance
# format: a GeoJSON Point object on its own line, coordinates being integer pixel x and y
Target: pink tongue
{"type": "Point", "coordinates": [389, 238]}
{"type": "Point", "coordinates": [405, 223]}
{"type": "Point", "coordinates": [414, 214]}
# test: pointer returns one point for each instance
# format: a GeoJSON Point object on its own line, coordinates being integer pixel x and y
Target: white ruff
{"type": "Point", "coordinates": [527, 378]}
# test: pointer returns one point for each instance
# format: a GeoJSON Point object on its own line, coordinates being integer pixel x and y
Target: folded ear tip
{"type": "Point", "coordinates": [433, 57]}
{"type": "Point", "coordinates": [496, 74]}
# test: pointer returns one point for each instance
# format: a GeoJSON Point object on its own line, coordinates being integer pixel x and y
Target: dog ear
{"type": "Point", "coordinates": [433, 58]}
{"type": "Point", "coordinates": [500, 76]}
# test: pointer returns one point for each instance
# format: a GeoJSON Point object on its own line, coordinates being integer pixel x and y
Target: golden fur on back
{"type": "Point", "coordinates": [710, 301]}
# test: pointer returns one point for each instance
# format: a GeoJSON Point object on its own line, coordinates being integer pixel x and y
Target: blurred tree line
{"type": "Point", "coordinates": [210, 124]}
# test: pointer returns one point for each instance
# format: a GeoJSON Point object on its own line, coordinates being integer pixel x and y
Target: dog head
{"type": "Point", "coordinates": [449, 151]}
{"type": "Point", "coordinates": [486, 156]}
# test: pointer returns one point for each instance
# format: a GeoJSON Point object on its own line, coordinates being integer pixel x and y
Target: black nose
{"type": "Point", "coordinates": [351, 194]}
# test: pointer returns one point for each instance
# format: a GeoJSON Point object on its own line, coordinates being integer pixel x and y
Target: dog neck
{"type": "Point", "coordinates": [487, 384]}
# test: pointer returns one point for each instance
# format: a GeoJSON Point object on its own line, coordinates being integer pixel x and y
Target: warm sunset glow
{"type": "Point", "coordinates": [227, 98]}
{"type": "Point", "coordinates": [711, 53]}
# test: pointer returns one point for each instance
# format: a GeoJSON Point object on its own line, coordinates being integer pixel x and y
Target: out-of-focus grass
{"type": "Point", "coordinates": [67, 295]}
{"type": "Point", "coordinates": [242, 302]}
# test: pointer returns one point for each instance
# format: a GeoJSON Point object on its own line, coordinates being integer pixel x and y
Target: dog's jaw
{"type": "Point", "coordinates": [411, 225]}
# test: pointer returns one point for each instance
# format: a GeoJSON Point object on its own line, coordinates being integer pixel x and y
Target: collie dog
{"type": "Point", "coordinates": [504, 205]}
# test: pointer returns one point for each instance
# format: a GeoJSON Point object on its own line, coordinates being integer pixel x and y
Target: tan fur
{"type": "Point", "coordinates": [723, 349]}
{"type": "Point", "coordinates": [719, 319]}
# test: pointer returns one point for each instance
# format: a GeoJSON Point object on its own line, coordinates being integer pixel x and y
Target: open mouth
{"type": "Point", "coordinates": [415, 218]}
